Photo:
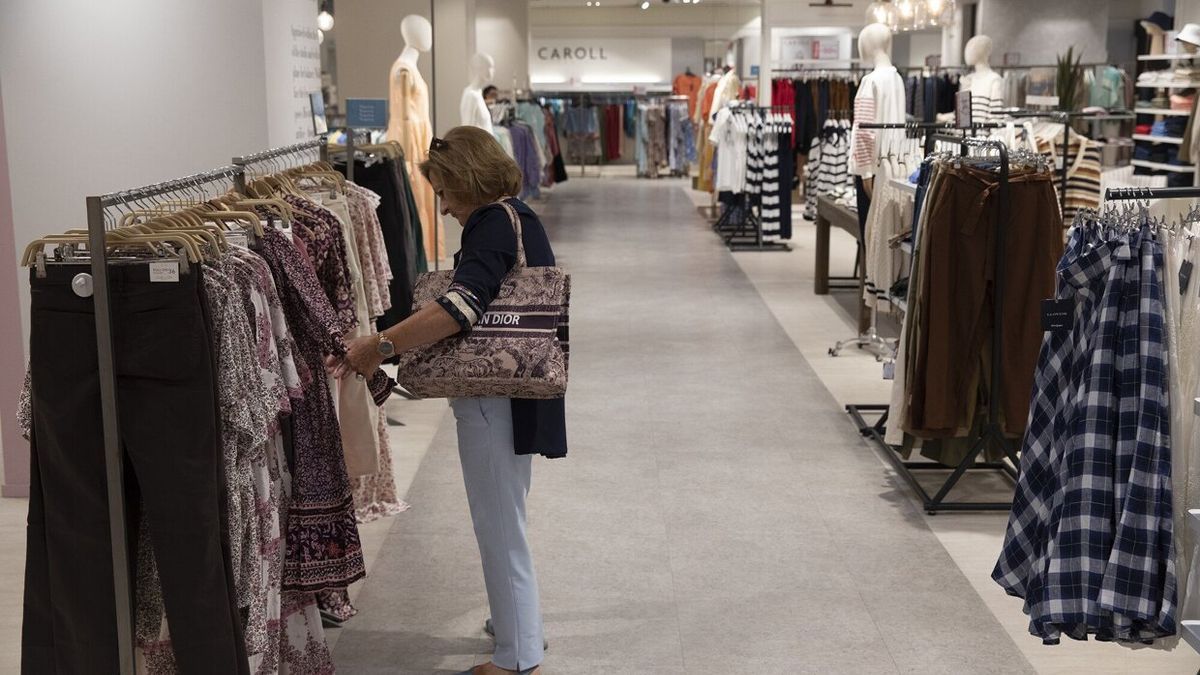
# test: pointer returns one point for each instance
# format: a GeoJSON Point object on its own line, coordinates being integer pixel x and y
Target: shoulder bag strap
{"type": "Point", "coordinates": [516, 223]}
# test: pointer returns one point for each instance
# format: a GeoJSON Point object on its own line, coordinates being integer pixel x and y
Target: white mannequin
{"type": "Point", "coordinates": [418, 37]}
{"type": "Point", "coordinates": [473, 109]}
{"type": "Point", "coordinates": [881, 99]}
{"type": "Point", "coordinates": [986, 85]}
{"type": "Point", "coordinates": [727, 89]}
{"type": "Point", "coordinates": [875, 45]}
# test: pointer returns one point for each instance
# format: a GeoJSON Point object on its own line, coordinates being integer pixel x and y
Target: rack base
{"type": "Point", "coordinates": [936, 503]}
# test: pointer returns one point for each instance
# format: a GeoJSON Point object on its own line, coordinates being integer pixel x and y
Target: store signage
{"type": "Point", "coordinates": [800, 48]}
{"type": "Point", "coordinates": [599, 64]}
{"type": "Point", "coordinates": [366, 113]}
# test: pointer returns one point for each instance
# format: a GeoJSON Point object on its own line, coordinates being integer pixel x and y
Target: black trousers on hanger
{"type": "Point", "coordinates": [168, 419]}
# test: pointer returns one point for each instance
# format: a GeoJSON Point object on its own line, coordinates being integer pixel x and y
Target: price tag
{"type": "Point", "coordinates": [1057, 314]}
{"type": "Point", "coordinates": [166, 271]}
{"type": "Point", "coordinates": [962, 110]}
{"type": "Point", "coordinates": [238, 239]}
{"type": "Point", "coordinates": [889, 370]}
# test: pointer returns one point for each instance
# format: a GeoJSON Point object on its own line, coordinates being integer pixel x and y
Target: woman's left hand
{"type": "Point", "coordinates": [362, 357]}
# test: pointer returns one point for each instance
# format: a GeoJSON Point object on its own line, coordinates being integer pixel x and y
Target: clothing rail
{"type": "Point", "coordinates": [931, 126]}
{"type": "Point", "coordinates": [1132, 193]}
{"type": "Point", "coordinates": [746, 234]}
{"type": "Point", "coordinates": [351, 134]}
{"type": "Point", "coordinates": [320, 143]}
{"type": "Point", "coordinates": [1065, 118]}
{"type": "Point", "coordinates": [991, 430]}
{"type": "Point", "coordinates": [106, 367]}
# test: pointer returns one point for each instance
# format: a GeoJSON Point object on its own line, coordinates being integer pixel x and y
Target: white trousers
{"type": "Point", "coordinates": [497, 481]}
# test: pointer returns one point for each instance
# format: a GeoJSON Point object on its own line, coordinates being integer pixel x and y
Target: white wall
{"type": "Point", "coordinates": [453, 46]}
{"type": "Point", "coordinates": [502, 32]}
{"type": "Point", "coordinates": [368, 42]}
{"type": "Point", "coordinates": [687, 53]}
{"type": "Point", "coordinates": [101, 96]}
{"type": "Point", "coordinates": [707, 21]}
{"type": "Point", "coordinates": [292, 61]}
{"type": "Point", "coordinates": [1040, 30]}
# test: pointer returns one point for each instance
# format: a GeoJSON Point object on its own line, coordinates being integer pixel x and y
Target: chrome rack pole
{"type": "Point", "coordinates": [114, 465]}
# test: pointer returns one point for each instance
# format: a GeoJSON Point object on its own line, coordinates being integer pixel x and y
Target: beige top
{"type": "Point", "coordinates": [409, 104]}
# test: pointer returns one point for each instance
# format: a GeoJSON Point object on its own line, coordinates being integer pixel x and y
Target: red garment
{"type": "Point", "coordinates": [612, 127]}
{"type": "Point", "coordinates": [749, 92]}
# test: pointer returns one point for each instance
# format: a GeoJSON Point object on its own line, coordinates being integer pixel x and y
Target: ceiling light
{"type": "Point", "coordinates": [645, 4]}
{"type": "Point", "coordinates": [325, 21]}
{"type": "Point", "coordinates": [320, 36]}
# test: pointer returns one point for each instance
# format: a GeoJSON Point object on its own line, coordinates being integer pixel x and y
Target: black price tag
{"type": "Point", "coordinates": [1057, 314]}
{"type": "Point", "coordinates": [1185, 276]}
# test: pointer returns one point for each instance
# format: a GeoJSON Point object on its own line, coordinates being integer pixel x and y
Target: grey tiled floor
{"type": "Point", "coordinates": [717, 514]}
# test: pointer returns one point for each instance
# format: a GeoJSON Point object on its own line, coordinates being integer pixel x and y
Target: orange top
{"type": "Point", "coordinates": [688, 85]}
{"type": "Point", "coordinates": [706, 103]}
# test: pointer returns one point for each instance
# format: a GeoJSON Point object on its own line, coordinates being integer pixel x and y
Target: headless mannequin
{"type": "Point", "coordinates": [986, 85]}
{"type": "Point", "coordinates": [409, 124]}
{"type": "Point", "coordinates": [473, 109]}
{"type": "Point", "coordinates": [1158, 37]}
{"type": "Point", "coordinates": [727, 90]}
{"type": "Point", "coordinates": [875, 46]}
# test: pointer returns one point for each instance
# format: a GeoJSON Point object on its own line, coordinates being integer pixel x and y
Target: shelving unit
{"type": "Point", "coordinates": [1158, 139]}
{"type": "Point", "coordinates": [1168, 57]}
{"type": "Point", "coordinates": [1169, 85]}
{"type": "Point", "coordinates": [1157, 166]}
{"type": "Point", "coordinates": [1165, 112]}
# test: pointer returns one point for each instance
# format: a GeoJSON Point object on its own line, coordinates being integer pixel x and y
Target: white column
{"type": "Point", "coordinates": [453, 46]}
{"type": "Point", "coordinates": [766, 56]}
{"type": "Point", "coordinates": [502, 32]}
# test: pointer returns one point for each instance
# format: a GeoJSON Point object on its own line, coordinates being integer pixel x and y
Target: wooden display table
{"type": "Point", "coordinates": [831, 214]}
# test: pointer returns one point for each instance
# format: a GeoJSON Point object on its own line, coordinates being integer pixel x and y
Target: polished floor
{"type": "Point", "coordinates": [718, 512]}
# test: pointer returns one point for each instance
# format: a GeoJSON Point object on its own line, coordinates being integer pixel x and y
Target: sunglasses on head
{"type": "Point", "coordinates": [437, 144]}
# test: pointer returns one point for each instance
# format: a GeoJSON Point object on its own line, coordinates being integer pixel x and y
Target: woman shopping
{"type": "Point", "coordinates": [474, 179]}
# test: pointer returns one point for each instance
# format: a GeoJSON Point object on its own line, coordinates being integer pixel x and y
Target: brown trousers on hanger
{"type": "Point", "coordinates": [958, 285]}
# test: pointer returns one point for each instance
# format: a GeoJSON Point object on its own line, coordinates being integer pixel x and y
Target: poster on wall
{"type": "Point", "coordinates": [801, 48]}
{"type": "Point", "coordinates": [599, 64]}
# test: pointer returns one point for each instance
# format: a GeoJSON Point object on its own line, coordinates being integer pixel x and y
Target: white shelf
{"type": "Point", "coordinates": [1187, 168]}
{"type": "Point", "coordinates": [1175, 140]}
{"type": "Point", "coordinates": [1191, 633]}
{"type": "Point", "coordinates": [1169, 85]}
{"type": "Point", "coordinates": [1168, 57]}
{"type": "Point", "coordinates": [1167, 112]}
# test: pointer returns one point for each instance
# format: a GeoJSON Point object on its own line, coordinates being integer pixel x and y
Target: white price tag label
{"type": "Point", "coordinates": [164, 272]}
{"type": "Point", "coordinates": [889, 370]}
{"type": "Point", "coordinates": [238, 239]}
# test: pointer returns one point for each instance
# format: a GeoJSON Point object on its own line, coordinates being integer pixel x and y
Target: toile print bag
{"type": "Point", "coordinates": [518, 348]}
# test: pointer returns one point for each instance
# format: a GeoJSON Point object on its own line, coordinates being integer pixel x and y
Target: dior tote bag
{"type": "Point", "coordinates": [514, 350]}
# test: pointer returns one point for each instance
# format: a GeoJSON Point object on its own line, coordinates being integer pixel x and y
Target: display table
{"type": "Point", "coordinates": [831, 214]}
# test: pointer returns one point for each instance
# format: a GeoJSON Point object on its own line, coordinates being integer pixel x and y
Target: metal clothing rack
{"type": "Point", "coordinates": [348, 148]}
{"type": "Point", "coordinates": [320, 144]}
{"type": "Point", "coordinates": [871, 339]}
{"type": "Point", "coordinates": [746, 234]}
{"type": "Point", "coordinates": [106, 366]}
{"type": "Point", "coordinates": [991, 432]}
{"type": "Point", "coordinates": [1065, 118]}
{"type": "Point", "coordinates": [1132, 193]}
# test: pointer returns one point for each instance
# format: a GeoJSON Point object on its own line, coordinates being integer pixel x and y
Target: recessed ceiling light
{"type": "Point", "coordinates": [645, 4]}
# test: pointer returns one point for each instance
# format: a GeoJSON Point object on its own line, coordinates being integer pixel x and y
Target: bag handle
{"type": "Point", "coordinates": [516, 223]}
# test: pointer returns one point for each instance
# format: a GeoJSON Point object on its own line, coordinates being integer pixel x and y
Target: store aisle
{"type": "Point", "coordinates": [717, 514]}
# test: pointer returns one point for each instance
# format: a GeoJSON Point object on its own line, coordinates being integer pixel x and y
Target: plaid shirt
{"type": "Point", "coordinates": [1090, 465]}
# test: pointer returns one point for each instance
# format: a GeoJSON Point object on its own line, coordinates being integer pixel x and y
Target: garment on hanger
{"type": "Point", "coordinates": [687, 84]}
{"type": "Point", "coordinates": [1090, 544]}
{"type": "Point", "coordinates": [880, 99]}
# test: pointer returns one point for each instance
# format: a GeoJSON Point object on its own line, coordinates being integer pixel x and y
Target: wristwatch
{"type": "Point", "coordinates": [385, 347]}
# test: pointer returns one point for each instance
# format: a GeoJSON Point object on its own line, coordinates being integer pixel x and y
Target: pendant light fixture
{"type": "Point", "coordinates": [909, 15]}
{"type": "Point", "coordinates": [881, 11]}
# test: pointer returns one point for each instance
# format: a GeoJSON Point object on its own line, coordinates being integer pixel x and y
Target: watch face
{"type": "Point", "coordinates": [386, 348]}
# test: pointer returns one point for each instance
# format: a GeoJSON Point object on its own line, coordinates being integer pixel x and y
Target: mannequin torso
{"type": "Point", "coordinates": [880, 99]}
{"type": "Point", "coordinates": [473, 110]}
{"type": "Point", "coordinates": [986, 85]}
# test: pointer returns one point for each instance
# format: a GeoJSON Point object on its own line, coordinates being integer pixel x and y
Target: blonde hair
{"type": "Point", "coordinates": [471, 165]}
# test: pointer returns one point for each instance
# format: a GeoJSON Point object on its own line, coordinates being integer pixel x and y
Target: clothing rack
{"type": "Point", "coordinates": [747, 234]}
{"type": "Point", "coordinates": [320, 144]}
{"type": "Point", "coordinates": [1133, 193]}
{"type": "Point", "coordinates": [348, 148]}
{"type": "Point", "coordinates": [113, 458]}
{"type": "Point", "coordinates": [931, 126]}
{"type": "Point", "coordinates": [1065, 118]}
{"type": "Point", "coordinates": [991, 432]}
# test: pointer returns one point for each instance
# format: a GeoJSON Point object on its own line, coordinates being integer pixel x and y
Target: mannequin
{"type": "Point", "coordinates": [473, 109]}
{"type": "Point", "coordinates": [409, 125]}
{"type": "Point", "coordinates": [986, 85]}
{"type": "Point", "coordinates": [880, 99]}
{"type": "Point", "coordinates": [727, 89]}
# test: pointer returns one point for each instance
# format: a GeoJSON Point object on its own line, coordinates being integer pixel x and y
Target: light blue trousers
{"type": "Point", "coordinates": [497, 481]}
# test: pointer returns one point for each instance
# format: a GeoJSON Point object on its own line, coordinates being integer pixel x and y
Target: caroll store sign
{"type": "Point", "coordinates": [599, 64]}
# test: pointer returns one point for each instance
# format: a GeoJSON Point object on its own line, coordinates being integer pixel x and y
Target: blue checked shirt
{"type": "Point", "coordinates": [1084, 544]}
